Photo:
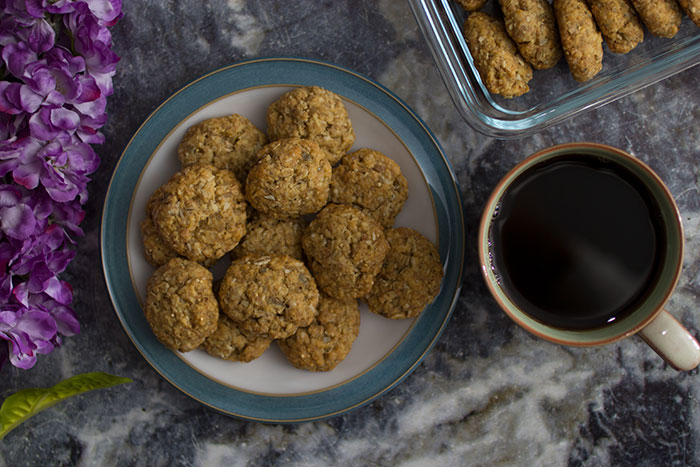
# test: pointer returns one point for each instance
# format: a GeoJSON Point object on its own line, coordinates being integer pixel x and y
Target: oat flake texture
{"type": "Point", "coordinates": [312, 113]}
{"type": "Point", "coordinates": [323, 344]}
{"type": "Point", "coordinates": [410, 277]}
{"type": "Point", "coordinates": [371, 182]}
{"type": "Point", "coordinates": [345, 249]}
{"type": "Point", "coordinates": [180, 304]}
{"type": "Point", "coordinates": [230, 142]}
{"type": "Point", "coordinates": [201, 212]}
{"type": "Point", "coordinates": [292, 178]}
{"type": "Point", "coordinates": [230, 343]}
{"type": "Point", "coordinates": [269, 295]}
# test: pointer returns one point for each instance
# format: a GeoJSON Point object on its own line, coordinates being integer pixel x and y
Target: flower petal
{"type": "Point", "coordinates": [66, 320]}
{"type": "Point", "coordinates": [64, 119]}
{"type": "Point", "coordinates": [41, 36]}
{"type": "Point", "coordinates": [37, 324]}
{"type": "Point", "coordinates": [17, 221]}
{"type": "Point", "coordinates": [58, 290]}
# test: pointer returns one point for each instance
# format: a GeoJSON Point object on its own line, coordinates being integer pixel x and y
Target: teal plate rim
{"type": "Point", "coordinates": [432, 161]}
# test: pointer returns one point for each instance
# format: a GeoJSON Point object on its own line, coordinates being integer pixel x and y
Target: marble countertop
{"type": "Point", "coordinates": [489, 393]}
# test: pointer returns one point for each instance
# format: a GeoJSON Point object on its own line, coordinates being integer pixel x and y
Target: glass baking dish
{"type": "Point", "coordinates": [554, 95]}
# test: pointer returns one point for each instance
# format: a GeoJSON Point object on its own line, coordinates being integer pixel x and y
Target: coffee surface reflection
{"type": "Point", "coordinates": [576, 242]}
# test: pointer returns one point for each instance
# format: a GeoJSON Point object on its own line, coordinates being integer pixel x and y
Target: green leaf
{"type": "Point", "coordinates": [26, 403]}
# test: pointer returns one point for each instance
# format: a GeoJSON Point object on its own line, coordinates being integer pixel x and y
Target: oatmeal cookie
{"type": "Point", "coordinates": [326, 342]}
{"type": "Point", "coordinates": [231, 142]}
{"type": "Point", "coordinates": [618, 23]}
{"type": "Point", "coordinates": [180, 304]}
{"type": "Point", "coordinates": [373, 183]}
{"type": "Point", "coordinates": [153, 201]}
{"type": "Point", "coordinates": [661, 17]}
{"type": "Point", "coordinates": [531, 24]}
{"type": "Point", "coordinates": [156, 250]}
{"type": "Point", "coordinates": [201, 212]}
{"type": "Point", "coordinates": [580, 38]}
{"type": "Point", "coordinates": [410, 277]}
{"type": "Point", "coordinates": [471, 5]}
{"type": "Point", "coordinates": [345, 249]}
{"type": "Point", "coordinates": [692, 9]}
{"type": "Point", "coordinates": [291, 178]}
{"type": "Point", "coordinates": [230, 343]}
{"type": "Point", "coordinates": [270, 296]}
{"type": "Point", "coordinates": [312, 113]}
{"type": "Point", "coordinates": [501, 67]}
{"type": "Point", "coordinates": [267, 235]}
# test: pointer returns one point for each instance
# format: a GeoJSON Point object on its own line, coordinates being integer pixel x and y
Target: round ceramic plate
{"type": "Point", "coordinates": [269, 388]}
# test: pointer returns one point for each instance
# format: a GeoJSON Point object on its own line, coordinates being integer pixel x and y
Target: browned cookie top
{"type": "Point", "coordinates": [345, 249]}
{"type": "Point", "coordinates": [231, 142]}
{"type": "Point", "coordinates": [501, 67]}
{"type": "Point", "coordinates": [267, 235]}
{"type": "Point", "coordinates": [269, 295]}
{"type": "Point", "coordinates": [326, 342]}
{"type": "Point", "coordinates": [180, 304]}
{"type": "Point", "coordinates": [291, 178]}
{"type": "Point", "coordinates": [372, 182]}
{"type": "Point", "coordinates": [313, 113]}
{"type": "Point", "coordinates": [410, 277]}
{"type": "Point", "coordinates": [200, 212]}
{"type": "Point", "coordinates": [230, 343]}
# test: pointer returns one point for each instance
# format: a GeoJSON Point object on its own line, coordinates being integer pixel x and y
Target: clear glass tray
{"type": "Point", "coordinates": [554, 95]}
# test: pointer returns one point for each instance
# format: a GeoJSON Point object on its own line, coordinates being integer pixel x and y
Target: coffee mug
{"type": "Point", "coordinates": [582, 244]}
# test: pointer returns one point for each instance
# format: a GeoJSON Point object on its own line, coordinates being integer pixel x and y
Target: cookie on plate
{"type": "Point", "coordinates": [270, 296]}
{"type": "Point", "coordinates": [345, 249]}
{"type": "Point", "coordinates": [372, 182]}
{"type": "Point", "coordinates": [180, 304]}
{"type": "Point", "coordinates": [291, 178]}
{"type": "Point", "coordinates": [231, 142]}
{"type": "Point", "coordinates": [410, 276]}
{"type": "Point", "coordinates": [156, 250]}
{"type": "Point", "coordinates": [312, 113]}
{"type": "Point", "coordinates": [267, 235]}
{"type": "Point", "coordinates": [230, 343]}
{"type": "Point", "coordinates": [323, 344]}
{"type": "Point", "coordinates": [201, 212]}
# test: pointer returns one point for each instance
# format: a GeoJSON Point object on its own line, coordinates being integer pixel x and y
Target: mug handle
{"type": "Point", "coordinates": [672, 341]}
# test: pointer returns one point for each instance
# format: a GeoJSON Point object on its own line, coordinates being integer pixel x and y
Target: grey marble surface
{"type": "Point", "coordinates": [488, 393]}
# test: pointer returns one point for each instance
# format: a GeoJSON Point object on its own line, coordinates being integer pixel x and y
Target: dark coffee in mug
{"type": "Point", "coordinates": [576, 241]}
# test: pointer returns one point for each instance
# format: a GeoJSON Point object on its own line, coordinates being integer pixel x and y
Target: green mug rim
{"type": "Point", "coordinates": [663, 288]}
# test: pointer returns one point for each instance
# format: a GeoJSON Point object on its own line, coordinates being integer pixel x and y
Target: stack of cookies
{"type": "Point", "coordinates": [307, 227]}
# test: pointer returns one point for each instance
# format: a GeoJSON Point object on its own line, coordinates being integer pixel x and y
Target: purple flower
{"type": "Point", "coordinates": [17, 219]}
{"type": "Point", "coordinates": [28, 332]}
{"type": "Point", "coordinates": [58, 67]}
{"type": "Point", "coordinates": [17, 98]}
{"type": "Point", "coordinates": [107, 12]}
{"type": "Point", "coordinates": [93, 42]}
